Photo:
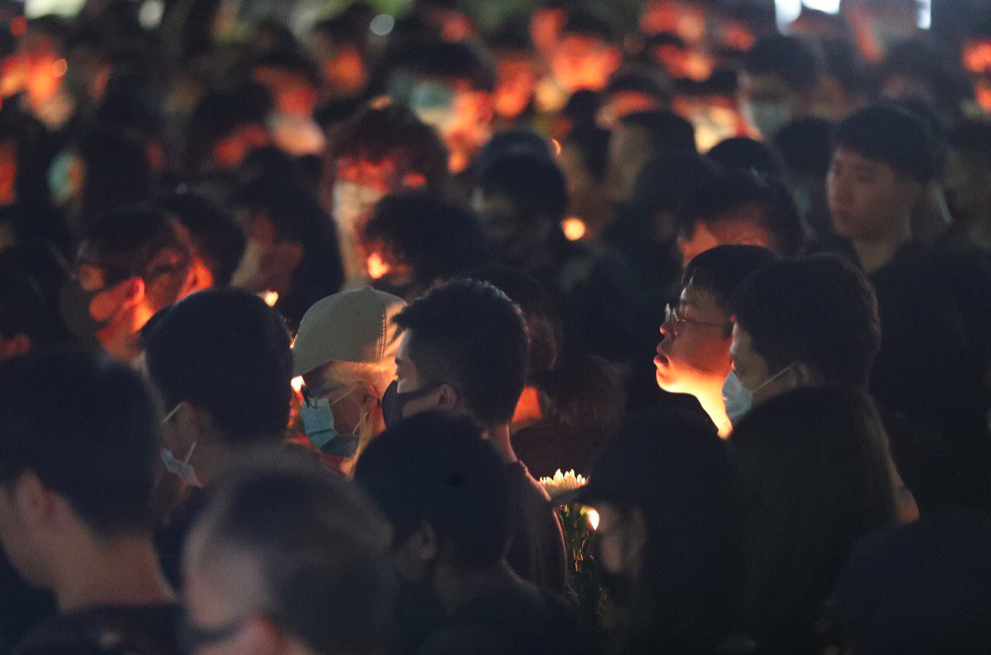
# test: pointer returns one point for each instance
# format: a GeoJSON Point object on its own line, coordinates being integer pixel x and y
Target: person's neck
{"type": "Point", "coordinates": [120, 339]}
{"type": "Point", "coordinates": [456, 585]}
{"type": "Point", "coordinates": [528, 410]}
{"type": "Point", "coordinates": [499, 436]}
{"type": "Point", "coordinates": [875, 254]}
{"type": "Point", "coordinates": [710, 398]}
{"type": "Point", "coordinates": [214, 458]}
{"type": "Point", "coordinates": [116, 571]}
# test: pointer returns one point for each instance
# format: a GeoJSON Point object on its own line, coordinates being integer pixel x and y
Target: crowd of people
{"type": "Point", "coordinates": [296, 309]}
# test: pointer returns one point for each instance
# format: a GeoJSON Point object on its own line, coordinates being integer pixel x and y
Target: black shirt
{"type": "Point", "coordinates": [136, 630]}
{"type": "Point", "coordinates": [170, 541]}
{"type": "Point", "coordinates": [536, 553]}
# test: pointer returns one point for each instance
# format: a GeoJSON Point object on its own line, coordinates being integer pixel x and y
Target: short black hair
{"type": "Point", "coordinates": [515, 140]}
{"type": "Point", "coordinates": [393, 132]}
{"type": "Point", "coordinates": [126, 242]}
{"type": "Point", "coordinates": [227, 352]}
{"type": "Point", "coordinates": [665, 130]}
{"type": "Point", "coordinates": [434, 468]}
{"type": "Point", "coordinates": [894, 136]}
{"type": "Point", "coordinates": [788, 58]}
{"type": "Point", "coordinates": [722, 271]}
{"type": "Point", "coordinates": [534, 185]}
{"type": "Point", "coordinates": [592, 145]}
{"type": "Point", "coordinates": [731, 192]}
{"type": "Point", "coordinates": [741, 153]}
{"type": "Point", "coordinates": [641, 78]}
{"type": "Point", "coordinates": [320, 545]}
{"type": "Point", "coordinates": [220, 112]}
{"type": "Point", "coordinates": [458, 61]}
{"type": "Point", "coordinates": [667, 179]}
{"type": "Point", "coordinates": [471, 335]}
{"type": "Point", "coordinates": [437, 239]}
{"type": "Point", "coordinates": [98, 449]}
{"type": "Point", "coordinates": [218, 240]}
{"type": "Point", "coordinates": [291, 61]}
{"type": "Point", "coordinates": [583, 22]}
{"type": "Point", "coordinates": [821, 310]}
{"type": "Point", "coordinates": [806, 145]}
{"type": "Point", "coordinates": [117, 170]}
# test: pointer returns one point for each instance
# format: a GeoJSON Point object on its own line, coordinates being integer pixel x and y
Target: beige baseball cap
{"type": "Point", "coordinates": [351, 326]}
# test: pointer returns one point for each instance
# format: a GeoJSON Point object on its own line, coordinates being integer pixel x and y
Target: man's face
{"type": "Point", "coordinates": [517, 82]}
{"type": "Point", "coordinates": [698, 356]}
{"type": "Point", "coordinates": [750, 366]}
{"type": "Point", "coordinates": [292, 93]}
{"type": "Point", "coordinates": [583, 62]}
{"type": "Point", "coordinates": [460, 114]}
{"type": "Point", "coordinates": [517, 238]}
{"type": "Point", "coordinates": [768, 103]}
{"type": "Point", "coordinates": [408, 380]}
{"type": "Point", "coordinates": [628, 153]}
{"type": "Point", "coordinates": [867, 198]}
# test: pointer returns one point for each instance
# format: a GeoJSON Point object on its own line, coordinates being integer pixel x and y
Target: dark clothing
{"type": "Point", "coordinates": [170, 541]}
{"type": "Point", "coordinates": [536, 552]}
{"type": "Point", "coordinates": [512, 620]}
{"type": "Point", "coordinates": [21, 607]}
{"type": "Point", "coordinates": [136, 630]}
{"type": "Point", "coordinates": [545, 447]}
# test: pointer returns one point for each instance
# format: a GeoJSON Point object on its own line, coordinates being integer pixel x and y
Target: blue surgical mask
{"type": "Point", "coordinates": [180, 467]}
{"type": "Point", "coordinates": [767, 117]}
{"type": "Point", "coordinates": [737, 398]}
{"type": "Point", "coordinates": [318, 423]}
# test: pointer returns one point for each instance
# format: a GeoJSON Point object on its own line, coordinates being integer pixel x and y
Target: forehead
{"type": "Point", "coordinates": [848, 157]}
{"type": "Point", "coordinates": [698, 298]}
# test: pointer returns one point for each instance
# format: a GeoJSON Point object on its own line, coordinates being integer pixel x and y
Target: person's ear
{"type": "Point", "coordinates": [412, 556]}
{"type": "Point", "coordinates": [804, 375]}
{"type": "Point", "coordinates": [447, 397]}
{"type": "Point", "coordinates": [186, 425]}
{"type": "Point", "coordinates": [133, 290]}
{"type": "Point", "coordinates": [37, 505]}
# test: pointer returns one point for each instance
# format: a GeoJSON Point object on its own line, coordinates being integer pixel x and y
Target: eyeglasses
{"type": "Point", "coordinates": [671, 316]}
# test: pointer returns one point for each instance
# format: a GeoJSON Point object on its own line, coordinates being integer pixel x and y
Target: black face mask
{"type": "Point", "coordinates": [394, 403]}
{"type": "Point", "coordinates": [74, 302]}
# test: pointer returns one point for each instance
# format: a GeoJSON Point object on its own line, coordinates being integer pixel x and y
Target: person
{"type": "Point", "coordinates": [742, 153]}
{"type": "Point", "coordinates": [292, 81]}
{"type": "Point", "coordinates": [131, 263]}
{"type": "Point", "coordinates": [222, 363]}
{"type": "Point", "coordinates": [815, 460]}
{"type": "Point", "coordinates": [669, 537]}
{"type": "Point", "coordinates": [780, 83]}
{"type": "Point", "coordinates": [517, 73]}
{"type": "Point", "coordinates": [75, 492]}
{"type": "Point", "coordinates": [585, 55]}
{"type": "Point", "coordinates": [884, 158]}
{"type": "Point", "coordinates": [806, 146]}
{"type": "Point", "coordinates": [633, 88]}
{"type": "Point", "coordinates": [583, 160]}
{"type": "Point", "coordinates": [339, 47]}
{"type": "Point", "coordinates": [636, 138]}
{"type": "Point", "coordinates": [448, 495]}
{"type": "Point", "coordinates": [287, 556]}
{"type": "Point", "coordinates": [345, 351]}
{"type": "Point", "coordinates": [416, 240]}
{"type": "Point", "coordinates": [226, 124]}
{"type": "Point", "coordinates": [742, 208]}
{"type": "Point", "coordinates": [464, 349]}
{"type": "Point", "coordinates": [693, 356]}
{"type": "Point", "coordinates": [968, 180]}
{"type": "Point", "coordinates": [380, 150]}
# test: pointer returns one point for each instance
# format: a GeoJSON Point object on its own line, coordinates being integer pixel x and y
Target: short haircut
{"type": "Point", "coordinates": [436, 238]}
{"type": "Point", "coordinates": [88, 428]}
{"type": "Point", "coordinates": [723, 197]}
{"type": "Point", "coordinates": [665, 131]}
{"type": "Point", "coordinates": [820, 310]}
{"type": "Point", "coordinates": [321, 550]}
{"type": "Point", "coordinates": [534, 185]}
{"type": "Point", "coordinates": [667, 180]}
{"type": "Point", "coordinates": [515, 140]}
{"type": "Point", "coordinates": [117, 170]}
{"type": "Point", "coordinates": [722, 270]}
{"type": "Point", "coordinates": [227, 352]}
{"type": "Point", "coordinates": [222, 111]}
{"type": "Point", "coordinates": [742, 153]}
{"type": "Point", "coordinates": [592, 146]}
{"type": "Point", "coordinates": [471, 335]}
{"type": "Point", "coordinates": [291, 61]}
{"type": "Point", "coordinates": [641, 78]}
{"type": "Point", "coordinates": [789, 58]}
{"type": "Point", "coordinates": [218, 240]}
{"type": "Point", "coordinates": [434, 468]}
{"type": "Point", "coordinates": [394, 133]}
{"type": "Point", "coordinates": [806, 145]}
{"type": "Point", "coordinates": [894, 136]}
{"type": "Point", "coordinates": [458, 61]}
{"type": "Point", "coordinates": [582, 22]}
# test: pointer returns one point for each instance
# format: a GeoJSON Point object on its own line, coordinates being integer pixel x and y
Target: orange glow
{"type": "Point", "coordinates": [270, 298]}
{"type": "Point", "coordinates": [574, 228]}
{"type": "Point", "coordinates": [18, 26]}
{"type": "Point", "coordinates": [977, 57]}
{"type": "Point", "coordinates": [297, 383]}
{"type": "Point", "coordinates": [556, 145]}
{"type": "Point", "coordinates": [984, 97]}
{"type": "Point", "coordinates": [377, 268]}
{"type": "Point", "coordinates": [59, 68]}
{"type": "Point", "coordinates": [593, 519]}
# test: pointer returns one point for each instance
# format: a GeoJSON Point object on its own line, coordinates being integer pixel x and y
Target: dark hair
{"type": "Point", "coordinates": [665, 131]}
{"type": "Point", "coordinates": [434, 468]}
{"type": "Point", "coordinates": [592, 145]}
{"type": "Point", "coordinates": [515, 140]}
{"type": "Point", "coordinates": [817, 468]}
{"type": "Point", "coordinates": [894, 136]}
{"type": "Point", "coordinates": [320, 546]}
{"type": "Point", "coordinates": [788, 58]}
{"type": "Point", "coordinates": [393, 132]}
{"type": "Point", "coordinates": [820, 310]}
{"type": "Point", "coordinates": [722, 271]}
{"type": "Point", "coordinates": [582, 109]}
{"type": "Point", "coordinates": [458, 61]}
{"type": "Point", "coordinates": [533, 185]}
{"type": "Point", "coordinates": [437, 239]}
{"type": "Point", "coordinates": [974, 138]}
{"type": "Point", "coordinates": [117, 171]}
{"type": "Point", "coordinates": [721, 198]}
{"type": "Point", "coordinates": [98, 449]}
{"type": "Point", "coordinates": [583, 22]}
{"type": "Point", "coordinates": [742, 153]}
{"type": "Point", "coordinates": [667, 179]}
{"type": "Point", "coordinates": [22, 307]}
{"type": "Point", "coordinates": [225, 351]}
{"type": "Point", "coordinates": [218, 240]}
{"type": "Point", "coordinates": [471, 335]}
{"type": "Point", "coordinates": [291, 61]}
{"type": "Point", "coordinates": [641, 78]}
{"type": "Point", "coordinates": [344, 29]}
{"type": "Point", "coordinates": [931, 62]}
{"type": "Point", "coordinates": [219, 113]}
{"type": "Point", "coordinates": [806, 145]}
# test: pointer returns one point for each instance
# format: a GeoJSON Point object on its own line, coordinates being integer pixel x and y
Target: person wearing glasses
{"type": "Point", "coordinates": [693, 356]}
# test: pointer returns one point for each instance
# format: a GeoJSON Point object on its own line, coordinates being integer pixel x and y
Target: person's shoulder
{"type": "Point", "coordinates": [144, 630]}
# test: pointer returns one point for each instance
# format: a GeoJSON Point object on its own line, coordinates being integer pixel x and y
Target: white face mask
{"type": "Point", "coordinates": [180, 467]}
{"type": "Point", "coordinates": [738, 399]}
{"type": "Point", "coordinates": [353, 204]}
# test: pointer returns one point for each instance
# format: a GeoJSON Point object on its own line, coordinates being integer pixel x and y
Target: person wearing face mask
{"type": "Point", "coordinates": [345, 351]}
{"type": "Point", "coordinates": [780, 83]}
{"type": "Point", "coordinates": [222, 364]}
{"type": "Point", "coordinates": [669, 538]}
{"type": "Point", "coordinates": [131, 264]}
{"type": "Point", "coordinates": [449, 497]}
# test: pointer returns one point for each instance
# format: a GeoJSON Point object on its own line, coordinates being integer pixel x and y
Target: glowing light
{"type": "Point", "coordinates": [593, 519]}
{"type": "Point", "coordinates": [574, 228]}
{"type": "Point", "coordinates": [376, 267]}
{"type": "Point", "coordinates": [382, 24]}
{"type": "Point", "coordinates": [59, 68]}
{"type": "Point", "coordinates": [150, 14]}
{"type": "Point", "coordinates": [297, 383]}
{"type": "Point", "coordinates": [270, 298]}
{"type": "Point", "coordinates": [556, 145]}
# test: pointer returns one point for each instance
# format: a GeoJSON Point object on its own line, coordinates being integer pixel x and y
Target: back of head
{"type": "Point", "coordinates": [458, 62]}
{"type": "Point", "coordinates": [806, 146]}
{"type": "Point", "coordinates": [535, 186]}
{"type": "Point", "coordinates": [117, 170]}
{"type": "Point", "coordinates": [470, 335]}
{"type": "Point", "coordinates": [217, 239]}
{"type": "Point", "coordinates": [435, 469]}
{"type": "Point", "coordinates": [319, 546]}
{"type": "Point", "coordinates": [513, 141]}
{"type": "Point", "coordinates": [742, 153]}
{"type": "Point", "coordinates": [219, 113]}
{"type": "Point", "coordinates": [894, 136]}
{"type": "Point", "coordinates": [722, 270]}
{"type": "Point", "coordinates": [99, 447]}
{"type": "Point", "coordinates": [644, 79]}
{"type": "Point", "coordinates": [788, 58]}
{"type": "Point", "coordinates": [592, 145]}
{"type": "Point", "coordinates": [816, 464]}
{"type": "Point", "coordinates": [226, 352]}
{"type": "Point", "coordinates": [664, 131]}
{"type": "Point", "coordinates": [821, 311]}
{"type": "Point", "coordinates": [667, 179]}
